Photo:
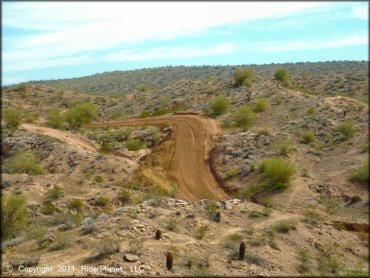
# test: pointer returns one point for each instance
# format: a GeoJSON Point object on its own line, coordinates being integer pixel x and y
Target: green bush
{"type": "Point", "coordinates": [171, 224]}
{"type": "Point", "coordinates": [201, 231]}
{"type": "Point", "coordinates": [347, 129]}
{"type": "Point", "coordinates": [219, 106]}
{"type": "Point", "coordinates": [312, 111]}
{"type": "Point", "coordinates": [76, 204]}
{"type": "Point", "coordinates": [81, 114]}
{"type": "Point", "coordinates": [144, 114]}
{"type": "Point", "coordinates": [29, 117]}
{"type": "Point", "coordinates": [13, 215]}
{"type": "Point", "coordinates": [21, 88]}
{"type": "Point", "coordinates": [135, 144]}
{"type": "Point", "coordinates": [102, 201]}
{"type": "Point", "coordinates": [55, 192]}
{"type": "Point", "coordinates": [98, 179]}
{"type": "Point", "coordinates": [143, 87]}
{"type": "Point", "coordinates": [62, 241]}
{"type": "Point", "coordinates": [243, 117]}
{"type": "Point", "coordinates": [55, 119]}
{"type": "Point", "coordinates": [282, 75]}
{"type": "Point", "coordinates": [260, 106]}
{"type": "Point", "coordinates": [12, 118]}
{"type": "Point", "coordinates": [24, 162]}
{"type": "Point", "coordinates": [365, 148]}
{"type": "Point", "coordinates": [241, 75]}
{"type": "Point", "coordinates": [361, 174]}
{"type": "Point", "coordinates": [49, 208]}
{"type": "Point", "coordinates": [285, 146]}
{"type": "Point", "coordinates": [307, 137]}
{"type": "Point", "coordinates": [285, 226]}
{"type": "Point", "coordinates": [277, 172]}
{"type": "Point", "coordinates": [124, 196]}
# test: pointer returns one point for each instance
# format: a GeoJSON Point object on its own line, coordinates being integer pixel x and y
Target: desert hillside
{"type": "Point", "coordinates": [189, 164]}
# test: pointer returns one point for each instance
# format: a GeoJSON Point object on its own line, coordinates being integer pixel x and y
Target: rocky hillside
{"type": "Point", "coordinates": [292, 158]}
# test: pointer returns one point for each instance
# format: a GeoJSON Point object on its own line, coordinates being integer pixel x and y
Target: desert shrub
{"type": "Point", "coordinates": [276, 172]}
{"type": "Point", "coordinates": [13, 215]}
{"type": "Point", "coordinates": [106, 247]}
{"type": "Point", "coordinates": [304, 259]}
{"type": "Point", "coordinates": [160, 111]}
{"type": "Point", "coordinates": [365, 148]}
{"type": "Point", "coordinates": [361, 174]}
{"type": "Point", "coordinates": [29, 117]}
{"type": "Point", "coordinates": [285, 146]}
{"type": "Point", "coordinates": [55, 192]}
{"type": "Point", "coordinates": [243, 117]}
{"type": "Point", "coordinates": [145, 114]}
{"type": "Point", "coordinates": [311, 111]}
{"type": "Point", "coordinates": [98, 179]}
{"type": "Point", "coordinates": [24, 162]}
{"type": "Point", "coordinates": [260, 105]}
{"type": "Point", "coordinates": [88, 226]}
{"type": "Point", "coordinates": [201, 231]}
{"type": "Point", "coordinates": [81, 114]}
{"type": "Point", "coordinates": [21, 88]}
{"type": "Point", "coordinates": [266, 131]}
{"type": "Point", "coordinates": [143, 87]}
{"type": "Point", "coordinates": [102, 201]}
{"type": "Point", "coordinates": [211, 207]}
{"type": "Point", "coordinates": [172, 224]}
{"type": "Point", "coordinates": [347, 129]}
{"type": "Point", "coordinates": [12, 118]}
{"type": "Point", "coordinates": [241, 75]}
{"type": "Point", "coordinates": [27, 260]}
{"type": "Point", "coordinates": [12, 242]}
{"type": "Point", "coordinates": [76, 204]}
{"type": "Point", "coordinates": [311, 217]}
{"type": "Point", "coordinates": [135, 247]}
{"type": "Point", "coordinates": [282, 75]}
{"type": "Point", "coordinates": [62, 241]}
{"type": "Point", "coordinates": [55, 119]}
{"type": "Point", "coordinates": [259, 214]}
{"type": "Point", "coordinates": [307, 137]}
{"type": "Point", "coordinates": [328, 262]}
{"type": "Point", "coordinates": [231, 173]}
{"type": "Point", "coordinates": [124, 196]}
{"type": "Point", "coordinates": [255, 259]}
{"type": "Point", "coordinates": [355, 199]}
{"type": "Point", "coordinates": [105, 148]}
{"type": "Point", "coordinates": [135, 144]}
{"type": "Point", "coordinates": [232, 241]}
{"type": "Point", "coordinates": [49, 208]}
{"type": "Point", "coordinates": [285, 226]}
{"type": "Point", "coordinates": [219, 106]}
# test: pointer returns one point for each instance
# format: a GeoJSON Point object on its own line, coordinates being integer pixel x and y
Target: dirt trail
{"type": "Point", "coordinates": [193, 136]}
{"type": "Point", "coordinates": [68, 137]}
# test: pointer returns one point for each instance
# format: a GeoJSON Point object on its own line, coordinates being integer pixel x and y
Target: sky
{"type": "Point", "coordinates": [53, 40]}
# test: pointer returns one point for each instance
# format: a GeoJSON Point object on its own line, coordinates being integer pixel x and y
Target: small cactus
{"type": "Point", "coordinates": [169, 260]}
{"type": "Point", "coordinates": [242, 250]}
{"type": "Point", "coordinates": [218, 216]}
{"type": "Point", "coordinates": [158, 235]}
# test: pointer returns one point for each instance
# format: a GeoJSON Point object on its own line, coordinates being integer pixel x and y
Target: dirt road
{"type": "Point", "coordinates": [193, 141]}
{"type": "Point", "coordinates": [68, 137]}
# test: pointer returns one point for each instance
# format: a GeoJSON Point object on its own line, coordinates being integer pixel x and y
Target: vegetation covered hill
{"type": "Point", "coordinates": [157, 78]}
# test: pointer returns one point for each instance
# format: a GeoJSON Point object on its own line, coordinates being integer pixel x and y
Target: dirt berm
{"type": "Point", "coordinates": [193, 136]}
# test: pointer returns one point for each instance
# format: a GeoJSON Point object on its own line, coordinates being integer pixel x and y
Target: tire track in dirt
{"type": "Point", "coordinates": [193, 136]}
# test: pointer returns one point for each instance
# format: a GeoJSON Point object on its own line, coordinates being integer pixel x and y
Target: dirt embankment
{"type": "Point", "coordinates": [193, 136]}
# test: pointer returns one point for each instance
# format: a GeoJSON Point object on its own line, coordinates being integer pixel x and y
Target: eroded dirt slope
{"type": "Point", "coordinates": [193, 140]}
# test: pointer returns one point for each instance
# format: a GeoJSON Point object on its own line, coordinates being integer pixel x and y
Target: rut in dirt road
{"type": "Point", "coordinates": [193, 141]}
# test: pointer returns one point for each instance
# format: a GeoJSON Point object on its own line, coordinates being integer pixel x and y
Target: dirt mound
{"type": "Point", "coordinates": [193, 141]}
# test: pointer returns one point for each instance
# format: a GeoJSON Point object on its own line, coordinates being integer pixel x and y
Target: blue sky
{"type": "Point", "coordinates": [51, 40]}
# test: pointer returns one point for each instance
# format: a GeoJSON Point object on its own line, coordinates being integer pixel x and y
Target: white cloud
{"type": "Point", "coordinates": [361, 12]}
{"type": "Point", "coordinates": [337, 42]}
{"type": "Point", "coordinates": [70, 29]}
{"type": "Point", "coordinates": [172, 52]}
